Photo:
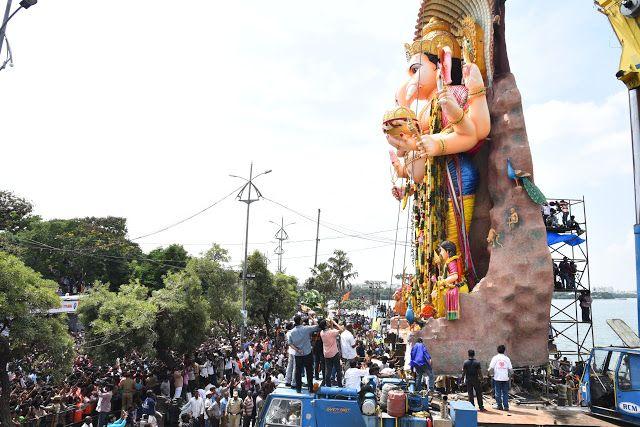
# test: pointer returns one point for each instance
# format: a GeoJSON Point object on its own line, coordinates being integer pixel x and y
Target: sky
{"type": "Point", "coordinates": [143, 109]}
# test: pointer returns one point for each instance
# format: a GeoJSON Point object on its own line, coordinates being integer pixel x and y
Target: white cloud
{"type": "Point", "coordinates": [584, 149]}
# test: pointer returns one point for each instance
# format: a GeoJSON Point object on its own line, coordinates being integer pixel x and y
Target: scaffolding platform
{"type": "Point", "coordinates": [570, 332]}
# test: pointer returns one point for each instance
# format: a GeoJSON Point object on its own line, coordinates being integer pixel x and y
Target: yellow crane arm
{"type": "Point", "coordinates": [624, 17]}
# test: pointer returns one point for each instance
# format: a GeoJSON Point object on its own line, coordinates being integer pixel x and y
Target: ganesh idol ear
{"type": "Point", "coordinates": [444, 57]}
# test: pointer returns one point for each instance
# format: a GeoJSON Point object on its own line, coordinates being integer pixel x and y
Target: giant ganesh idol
{"type": "Point", "coordinates": [459, 152]}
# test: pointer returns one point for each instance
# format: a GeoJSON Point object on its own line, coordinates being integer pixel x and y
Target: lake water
{"type": "Point", "coordinates": [602, 309]}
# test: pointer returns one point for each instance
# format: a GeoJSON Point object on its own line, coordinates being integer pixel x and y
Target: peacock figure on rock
{"type": "Point", "coordinates": [521, 176]}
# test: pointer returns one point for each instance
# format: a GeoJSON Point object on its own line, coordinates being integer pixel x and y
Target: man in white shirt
{"type": "Point", "coordinates": [204, 373]}
{"type": "Point", "coordinates": [211, 373]}
{"type": "Point", "coordinates": [196, 408]}
{"type": "Point", "coordinates": [347, 346]}
{"type": "Point", "coordinates": [500, 369]}
{"type": "Point", "coordinates": [353, 376]}
{"type": "Point", "coordinates": [290, 380]}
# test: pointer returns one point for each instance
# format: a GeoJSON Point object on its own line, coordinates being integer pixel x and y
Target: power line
{"type": "Point", "coordinates": [272, 242]}
{"type": "Point", "coordinates": [201, 211]}
{"type": "Point", "coordinates": [355, 234]}
{"type": "Point", "coordinates": [352, 250]}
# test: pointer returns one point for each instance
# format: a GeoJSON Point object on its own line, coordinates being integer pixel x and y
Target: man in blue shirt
{"type": "Point", "coordinates": [149, 408]}
{"type": "Point", "coordinates": [421, 364]}
{"type": "Point", "coordinates": [300, 341]}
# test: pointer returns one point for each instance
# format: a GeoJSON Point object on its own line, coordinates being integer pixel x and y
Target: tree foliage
{"type": "Point", "coordinates": [314, 300]}
{"type": "Point", "coordinates": [15, 212]}
{"type": "Point", "coordinates": [221, 287]}
{"type": "Point", "coordinates": [342, 270]}
{"type": "Point", "coordinates": [25, 329]}
{"type": "Point", "coordinates": [355, 304]}
{"type": "Point", "coordinates": [81, 250]}
{"type": "Point", "coordinates": [322, 280]}
{"type": "Point", "coordinates": [182, 320]}
{"type": "Point", "coordinates": [118, 322]}
{"type": "Point", "coordinates": [269, 296]}
{"type": "Point", "coordinates": [157, 263]}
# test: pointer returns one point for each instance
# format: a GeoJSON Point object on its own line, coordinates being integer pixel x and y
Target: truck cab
{"type": "Point", "coordinates": [331, 406]}
{"type": "Point", "coordinates": [610, 384]}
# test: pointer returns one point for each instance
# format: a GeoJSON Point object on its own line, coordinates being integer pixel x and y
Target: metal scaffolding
{"type": "Point", "coordinates": [570, 332]}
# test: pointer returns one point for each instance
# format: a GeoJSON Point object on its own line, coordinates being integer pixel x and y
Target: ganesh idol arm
{"type": "Point", "coordinates": [477, 100]}
{"type": "Point", "coordinates": [397, 165]}
{"type": "Point", "coordinates": [468, 127]}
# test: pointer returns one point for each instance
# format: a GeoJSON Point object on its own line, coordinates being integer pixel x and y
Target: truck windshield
{"type": "Point", "coordinates": [284, 412]}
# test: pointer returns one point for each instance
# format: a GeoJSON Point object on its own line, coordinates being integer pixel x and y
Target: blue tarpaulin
{"type": "Point", "coordinates": [569, 239]}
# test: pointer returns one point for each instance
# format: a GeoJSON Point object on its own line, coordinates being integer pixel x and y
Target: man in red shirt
{"type": "Point", "coordinates": [329, 335]}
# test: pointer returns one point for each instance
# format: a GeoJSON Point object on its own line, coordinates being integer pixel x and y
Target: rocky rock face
{"type": "Point", "coordinates": [511, 303]}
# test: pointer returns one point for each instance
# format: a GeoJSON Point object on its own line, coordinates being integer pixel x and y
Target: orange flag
{"type": "Point", "coordinates": [346, 296]}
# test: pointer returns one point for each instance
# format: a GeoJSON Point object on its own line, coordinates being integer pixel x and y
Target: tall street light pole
{"type": "Point", "coordinates": [248, 200]}
{"type": "Point", "coordinates": [24, 4]}
{"type": "Point", "coordinates": [5, 20]}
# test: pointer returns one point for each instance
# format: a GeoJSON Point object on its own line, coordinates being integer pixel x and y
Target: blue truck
{"type": "Point", "coordinates": [610, 384]}
{"type": "Point", "coordinates": [341, 407]}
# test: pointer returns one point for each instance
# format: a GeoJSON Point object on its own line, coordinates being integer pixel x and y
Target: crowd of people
{"type": "Point", "coordinates": [566, 223]}
{"type": "Point", "coordinates": [564, 275]}
{"type": "Point", "coordinates": [137, 388]}
{"type": "Point", "coordinates": [224, 383]}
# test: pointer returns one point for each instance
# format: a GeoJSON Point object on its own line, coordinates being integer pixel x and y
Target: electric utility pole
{"type": "Point", "coordinates": [248, 200]}
{"type": "Point", "coordinates": [281, 235]}
{"type": "Point", "coordinates": [315, 260]}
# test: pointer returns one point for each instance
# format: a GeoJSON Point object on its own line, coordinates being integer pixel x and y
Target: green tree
{"type": "Point", "coordinates": [158, 263]}
{"type": "Point", "coordinates": [182, 320]}
{"type": "Point", "coordinates": [322, 280]}
{"type": "Point", "coordinates": [15, 212]}
{"type": "Point", "coordinates": [355, 304]}
{"type": "Point", "coordinates": [342, 270]}
{"type": "Point", "coordinates": [118, 322]}
{"type": "Point", "coordinates": [81, 250]}
{"type": "Point", "coordinates": [268, 296]}
{"type": "Point", "coordinates": [25, 329]}
{"type": "Point", "coordinates": [287, 288]}
{"type": "Point", "coordinates": [314, 300]}
{"type": "Point", "coordinates": [220, 285]}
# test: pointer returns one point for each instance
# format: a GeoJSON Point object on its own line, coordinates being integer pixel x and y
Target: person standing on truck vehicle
{"type": "Point", "coordinates": [290, 378]}
{"type": "Point", "coordinates": [348, 346]}
{"type": "Point", "coordinates": [329, 332]}
{"type": "Point", "coordinates": [300, 341]}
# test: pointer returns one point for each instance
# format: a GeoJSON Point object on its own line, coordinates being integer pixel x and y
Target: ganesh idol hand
{"type": "Point", "coordinates": [405, 143]}
{"type": "Point", "coordinates": [429, 146]}
{"type": "Point", "coordinates": [472, 77]}
{"type": "Point", "coordinates": [449, 105]}
{"type": "Point", "coordinates": [397, 192]}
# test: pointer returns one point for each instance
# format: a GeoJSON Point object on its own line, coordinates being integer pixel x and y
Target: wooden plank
{"type": "Point", "coordinates": [539, 416]}
{"type": "Point", "coordinates": [626, 334]}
